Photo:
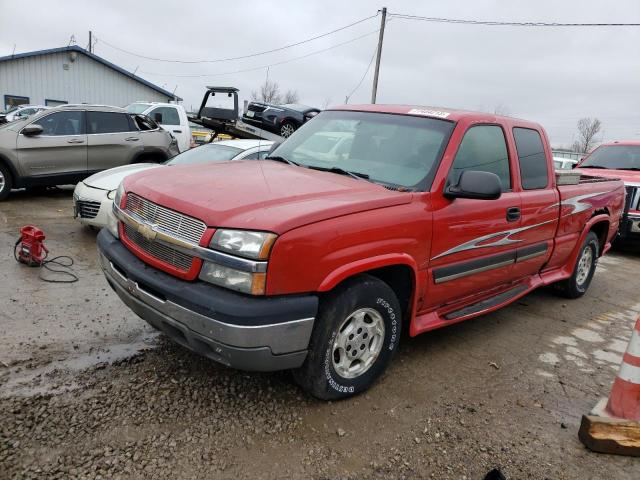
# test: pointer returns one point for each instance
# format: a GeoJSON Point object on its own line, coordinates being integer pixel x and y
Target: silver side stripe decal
{"type": "Point", "coordinates": [499, 239]}
{"type": "Point", "coordinates": [502, 238]}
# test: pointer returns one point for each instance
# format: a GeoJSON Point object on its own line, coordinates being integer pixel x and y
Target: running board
{"type": "Point", "coordinates": [488, 303]}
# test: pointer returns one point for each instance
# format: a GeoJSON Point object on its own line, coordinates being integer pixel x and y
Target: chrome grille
{"type": "Point", "coordinates": [177, 224]}
{"type": "Point", "coordinates": [158, 250]}
{"type": "Point", "coordinates": [633, 198]}
{"type": "Point", "coordinates": [87, 209]}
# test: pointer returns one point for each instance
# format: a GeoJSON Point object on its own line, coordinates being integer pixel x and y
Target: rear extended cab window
{"type": "Point", "coordinates": [531, 158]}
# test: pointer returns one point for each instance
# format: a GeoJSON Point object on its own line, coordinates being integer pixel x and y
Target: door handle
{"type": "Point", "coordinates": [132, 139]}
{"type": "Point", "coordinates": [177, 131]}
{"type": "Point", "coordinates": [513, 214]}
{"type": "Point", "coordinates": [75, 140]}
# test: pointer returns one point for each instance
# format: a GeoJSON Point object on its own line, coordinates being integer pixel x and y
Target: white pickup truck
{"type": "Point", "coordinates": [170, 116]}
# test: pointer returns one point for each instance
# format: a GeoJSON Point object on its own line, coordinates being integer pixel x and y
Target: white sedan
{"type": "Point", "coordinates": [93, 197]}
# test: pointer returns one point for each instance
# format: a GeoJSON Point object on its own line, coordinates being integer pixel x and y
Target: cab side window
{"type": "Point", "coordinates": [169, 115]}
{"type": "Point", "coordinates": [531, 158]}
{"type": "Point", "coordinates": [62, 123]}
{"type": "Point", "coordinates": [484, 149]}
{"type": "Point", "coordinates": [107, 122]}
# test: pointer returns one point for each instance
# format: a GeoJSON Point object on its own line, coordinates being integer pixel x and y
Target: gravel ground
{"type": "Point", "coordinates": [87, 390]}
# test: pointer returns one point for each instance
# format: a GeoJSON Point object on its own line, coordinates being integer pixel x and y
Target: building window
{"type": "Point", "coordinates": [54, 103]}
{"type": "Point", "coordinates": [11, 101]}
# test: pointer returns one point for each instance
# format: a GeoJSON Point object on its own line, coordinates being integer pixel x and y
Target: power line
{"type": "Point", "coordinates": [217, 60]}
{"type": "Point", "coordinates": [363, 76]}
{"type": "Point", "coordinates": [508, 24]}
{"type": "Point", "coordinates": [198, 75]}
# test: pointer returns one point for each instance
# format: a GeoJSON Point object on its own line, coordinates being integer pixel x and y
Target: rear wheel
{"type": "Point", "coordinates": [354, 339]}
{"type": "Point", "coordinates": [577, 285]}
{"type": "Point", "coordinates": [6, 182]}
{"type": "Point", "coordinates": [286, 129]}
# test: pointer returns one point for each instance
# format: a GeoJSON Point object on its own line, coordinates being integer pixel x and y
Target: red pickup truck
{"type": "Point", "coordinates": [368, 221]}
{"type": "Point", "coordinates": [620, 160]}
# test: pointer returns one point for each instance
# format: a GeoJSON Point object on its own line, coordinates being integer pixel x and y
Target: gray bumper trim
{"type": "Point", "coordinates": [276, 346]}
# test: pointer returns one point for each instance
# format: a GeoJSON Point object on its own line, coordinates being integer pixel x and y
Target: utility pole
{"type": "Point", "coordinates": [383, 21]}
{"type": "Point", "coordinates": [90, 40]}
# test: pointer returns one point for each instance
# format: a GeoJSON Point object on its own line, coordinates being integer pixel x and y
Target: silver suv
{"type": "Point", "coordinates": [68, 143]}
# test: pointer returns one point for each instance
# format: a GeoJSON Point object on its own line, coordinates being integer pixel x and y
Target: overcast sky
{"type": "Point", "coordinates": [551, 75]}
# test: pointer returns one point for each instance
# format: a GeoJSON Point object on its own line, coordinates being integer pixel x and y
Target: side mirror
{"type": "Point", "coordinates": [157, 117]}
{"type": "Point", "coordinates": [274, 145]}
{"type": "Point", "coordinates": [475, 185]}
{"type": "Point", "coordinates": [32, 130]}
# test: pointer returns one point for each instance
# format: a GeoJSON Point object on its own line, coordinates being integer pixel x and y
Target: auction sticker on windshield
{"type": "Point", "coordinates": [429, 113]}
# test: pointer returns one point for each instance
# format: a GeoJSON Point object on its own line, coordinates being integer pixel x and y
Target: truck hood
{"type": "Point", "coordinates": [110, 179]}
{"type": "Point", "coordinates": [260, 195]}
{"type": "Point", "coordinates": [627, 176]}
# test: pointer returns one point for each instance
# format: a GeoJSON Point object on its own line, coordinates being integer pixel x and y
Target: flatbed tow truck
{"type": "Point", "coordinates": [227, 120]}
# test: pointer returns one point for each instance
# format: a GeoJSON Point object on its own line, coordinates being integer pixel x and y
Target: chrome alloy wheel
{"type": "Point", "coordinates": [2, 182]}
{"type": "Point", "coordinates": [584, 265]}
{"type": "Point", "coordinates": [286, 130]}
{"type": "Point", "coordinates": [358, 343]}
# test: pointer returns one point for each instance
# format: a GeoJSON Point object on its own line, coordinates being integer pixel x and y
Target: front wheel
{"type": "Point", "coordinates": [5, 182]}
{"type": "Point", "coordinates": [354, 339]}
{"type": "Point", "coordinates": [577, 285]}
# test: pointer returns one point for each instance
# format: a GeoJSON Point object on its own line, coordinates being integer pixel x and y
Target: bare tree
{"type": "Point", "coordinates": [326, 103]}
{"type": "Point", "coordinates": [588, 128]}
{"type": "Point", "coordinates": [269, 92]}
{"type": "Point", "coordinates": [291, 96]}
{"type": "Point", "coordinates": [502, 110]}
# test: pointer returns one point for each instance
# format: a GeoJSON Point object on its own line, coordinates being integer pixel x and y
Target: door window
{"type": "Point", "coordinates": [62, 123]}
{"type": "Point", "coordinates": [107, 122]}
{"type": "Point", "coordinates": [532, 159]}
{"type": "Point", "coordinates": [169, 115]}
{"type": "Point", "coordinates": [483, 149]}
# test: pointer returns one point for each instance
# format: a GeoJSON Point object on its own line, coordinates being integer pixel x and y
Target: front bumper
{"type": "Point", "coordinates": [240, 331]}
{"type": "Point", "coordinates": [629, 232]}
{"type": "Point", "coordinates": [83, 192]}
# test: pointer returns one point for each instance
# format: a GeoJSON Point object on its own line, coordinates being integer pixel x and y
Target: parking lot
{"type": "Point", "coordinates": [88, 390]}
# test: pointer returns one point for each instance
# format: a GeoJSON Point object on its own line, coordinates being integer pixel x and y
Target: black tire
{"type": "Point", "coordinates": [287, 128]}
{"type": "Point", "coordinates": [6, 182]}
{"type": "Point", "coordinates": [318, 375]}
{"type": "Point", "coordinates": [578, 284]}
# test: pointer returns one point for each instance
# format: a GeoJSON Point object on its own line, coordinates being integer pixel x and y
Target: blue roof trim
{"type": "Point", "coordinates": [76, 48]}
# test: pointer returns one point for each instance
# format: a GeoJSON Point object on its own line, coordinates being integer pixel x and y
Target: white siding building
{"type": "Point", "coordinates": [71, 75]}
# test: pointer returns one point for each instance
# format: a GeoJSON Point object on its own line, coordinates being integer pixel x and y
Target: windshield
{"type": "Point", "coordinates": [393, 150]}
{"type": "Point", "coordinates": [204, 154]}
{"type": "Point", "coordinates": [137, 107]}
{"type": "Point", "coordinates": [12, 109]}
{"type": "Point", "coordinates": [615, 157]}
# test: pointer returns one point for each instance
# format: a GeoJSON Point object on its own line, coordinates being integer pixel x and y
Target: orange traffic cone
{"type": "Point", "coordinates": [613, 426]}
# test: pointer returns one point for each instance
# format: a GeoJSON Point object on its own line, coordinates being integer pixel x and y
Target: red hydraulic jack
{"type": "Point", "coordinates": [30, 248]}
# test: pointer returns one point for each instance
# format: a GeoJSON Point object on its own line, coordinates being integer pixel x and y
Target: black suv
{"type": "Point", "coordinates": [282, 120]}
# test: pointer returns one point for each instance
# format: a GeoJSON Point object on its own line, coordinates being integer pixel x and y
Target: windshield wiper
{"type": "Point", "coordinates": [342, 171]}
{"type": "Point", "coordinates": [635, 169]}
{"type": "Point", "coordinates": [594, 166]}
{"type": "Point", "coordinates": [283, 160]}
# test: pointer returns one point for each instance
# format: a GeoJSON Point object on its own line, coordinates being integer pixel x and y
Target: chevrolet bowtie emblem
{"type": "Point", "coordinates": [147, 231]}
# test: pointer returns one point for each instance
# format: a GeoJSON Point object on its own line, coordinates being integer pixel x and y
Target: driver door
{"type": "Point", "coordinates": [60, 149]}
{"type": "Point", "coordinates": [472, 250]}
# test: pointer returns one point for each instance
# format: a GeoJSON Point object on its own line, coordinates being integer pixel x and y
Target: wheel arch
{"type": "Point", "coordinates": [398, 271]}
{"type": "Point", "coordinates": [15, 176]}
{"type": "Point", "coordinates": [150, 154]}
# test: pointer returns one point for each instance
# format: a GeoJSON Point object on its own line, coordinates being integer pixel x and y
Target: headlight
{"type": "Point", "coordinates": [111, 194]}
{"type": "Point", "coordinates": [244, 243]}
{"type": "Point", "coordinates": [112, 224]}
{"type": "Point", "coordinates": [241, 281]}
{"type": "Point", "coordinates": [117, 198]}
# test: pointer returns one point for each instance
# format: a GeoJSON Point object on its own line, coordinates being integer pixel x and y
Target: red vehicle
{"type": "Point", "coordinates": [367, 221]}
{"type": "Point", "coordinates": [620, 160]}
